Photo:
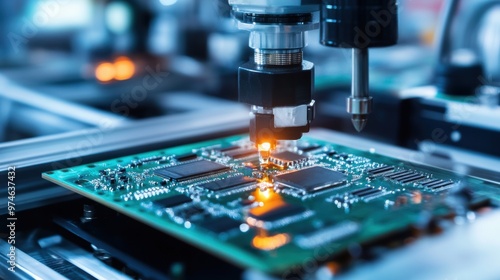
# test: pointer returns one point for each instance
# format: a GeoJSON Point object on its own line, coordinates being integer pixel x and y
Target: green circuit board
{"type": "Point", "coordinates": [312, 201]}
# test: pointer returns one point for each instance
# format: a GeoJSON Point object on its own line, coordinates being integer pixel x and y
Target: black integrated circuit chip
{"type": "Point", "coordinates": [287, 158]}
{"type": "Point", "coordinates": [380, 170]}
{"type": "Point", "coordinates": [228, 148]}
{"type": "Point", "coordinates": [193, 211]}
{"type": "Point", "coordinates": [405, 176]}
{"type": "Point", "coordinates": [277, 213]}
{"type": "Point", "coordinates": [436, 184]}
{"type": "Point", "coordinates": [312, 179]}
{"type": "Point", "coordinates": [431, 182]}
{"type": "Point", "coordinates": [241, 153]}
{"type": "Point", "coordinates": [172, 201]}
{"type": "Point", "coordinates": [220, 224]}
{"type": "Point", "coordinates": [228, 183]}
{"type": "Point", "coordinates": [190, 170]}
{"type": "Point", "coordinates": [185, 157]}
{"type": "Point", "coordinates": [309, 148]}
{"type": "Point", "coordinates": [367, 192]}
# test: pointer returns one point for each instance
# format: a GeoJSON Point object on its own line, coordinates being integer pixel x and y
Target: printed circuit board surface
{"type": "Point", "coordinates": [311, 202]}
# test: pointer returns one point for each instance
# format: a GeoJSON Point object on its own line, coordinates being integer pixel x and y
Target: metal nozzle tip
{"type": "Point", "coordinates": [359, 122]}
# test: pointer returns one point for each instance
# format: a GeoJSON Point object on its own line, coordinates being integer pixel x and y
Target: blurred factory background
{"type": "Point", "coordinates": [87, 80]}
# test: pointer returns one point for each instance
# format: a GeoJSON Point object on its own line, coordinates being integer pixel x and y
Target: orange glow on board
{"type": "Point", "coordinates": [266, 146]}
{"type": "Point", "coordinates": [264, 152]}
{"type": "Point", "coordinates": [268, 243]}
{"type": "Point", "coordinates": [266, 195]}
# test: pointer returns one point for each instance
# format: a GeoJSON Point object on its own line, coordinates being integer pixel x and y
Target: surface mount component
{"type": "Point", "coordinates": [276, 212]}
{"type": "Point", "coordinates": [274, 218]}
{"type": "Point", "coordinates": [220, 224]}
{"type": "Point", "coordinates": [366, 192]}
{"type": "Point", "coordinates": [287, 158]}
{"type": "Point", "coordinates": [241, 153]}
{"type": "Point", "coordinates": [186, 157]}
{"type": "Point", "coordinates": [380, 170]}
{"type": "Point", "coordinates": [191, 170]}
{"type": "Point", "coordinates": [172, 201]}
{"type": "Point", "coordinates": [312, 179]}
{"type": "Point", "coordinates": [227, 183]}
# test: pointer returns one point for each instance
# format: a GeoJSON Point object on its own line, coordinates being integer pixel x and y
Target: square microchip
{"type": "Point", "coordinates": [190, 170]}
{"type": "Point", "coordinates": [191, 212]}
{"type": "Point", "coordinates": [220, 224]}
{"type": "Point", "coordinates": [228, 183]}
{"type": "Point", "coordinates": [172, 201]}
{"type": "Point", "coordinates": [242, 153]}
{"type": "Point", "coordinates": [287, 158]}
{"type": "Point", "coordinates": [185, 157]}
{"type": "Point", "coordinates": [311, 179]}
{"type": "Point", "coordinates": [278, 212]}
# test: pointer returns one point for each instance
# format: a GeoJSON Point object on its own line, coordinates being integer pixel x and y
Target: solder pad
{"type": "Point", "coordinates": [212, 195]}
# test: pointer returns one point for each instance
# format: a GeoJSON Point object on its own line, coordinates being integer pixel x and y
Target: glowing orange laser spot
{"type": "Point", "coordinates": [264, 152]}
{"type": "Point", "coordinates": [265, 195]}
